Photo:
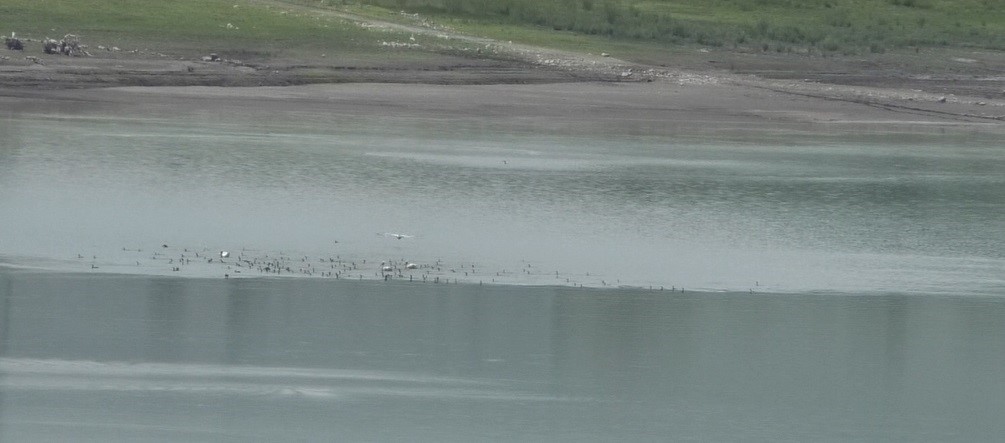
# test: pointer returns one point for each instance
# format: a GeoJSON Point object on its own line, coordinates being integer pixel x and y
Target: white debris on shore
{"type": "Point", "coordinates": [70, 46]}
{"type": "Point", "coordinates": [400, 45]}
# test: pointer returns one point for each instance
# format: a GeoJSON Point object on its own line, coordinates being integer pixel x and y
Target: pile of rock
{"type": "Point", "coordinates": [69, 45]}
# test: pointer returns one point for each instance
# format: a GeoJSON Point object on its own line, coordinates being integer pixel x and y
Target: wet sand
{"type": "Point", "coordinates": [660, 107]}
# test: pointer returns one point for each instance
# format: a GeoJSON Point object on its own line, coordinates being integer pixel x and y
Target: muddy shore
{"type": "Point", "coordinates": [704, 86]}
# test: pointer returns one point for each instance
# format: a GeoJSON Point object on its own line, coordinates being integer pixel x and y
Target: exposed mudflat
{"type": "Point", "coordinates": [943, 85]}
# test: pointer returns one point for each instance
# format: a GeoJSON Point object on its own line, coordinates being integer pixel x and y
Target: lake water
{"type": "Point", "coordinates": [838, 286]}
{"type": "Point", "coordinates": [540, 202]}
{"type": "Point", "coordinates": [146, 358]}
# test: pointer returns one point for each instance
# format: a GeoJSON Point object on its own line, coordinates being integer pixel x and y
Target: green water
{"type": "Point", "coordinates": [120, 358]}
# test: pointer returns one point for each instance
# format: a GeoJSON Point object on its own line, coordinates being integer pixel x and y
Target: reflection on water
{"type": "Point", "coordinates": [864, 214]}
{"type": "Point", "coordinates": [155, 358]}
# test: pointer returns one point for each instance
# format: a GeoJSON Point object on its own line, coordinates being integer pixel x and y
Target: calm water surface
{"type": "Point", "coordinates": [839, 286]}
{"type": "Point", "coordinates": [102, 358]}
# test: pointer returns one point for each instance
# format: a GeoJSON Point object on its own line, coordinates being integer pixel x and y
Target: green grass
{"type": "Point", "coordinates": [640, 27]}
{"type": "Point", "coordinates": [183, 26]}
{"type": "Point", "coordinates": [846, 26]}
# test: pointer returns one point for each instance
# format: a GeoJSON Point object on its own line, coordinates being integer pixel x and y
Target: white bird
{"type": "Point", "coordinates": [397, 236]}
{"type": "Point", "coordinates": [411, 266]}
{"type": "Point", "coordinates": [224, 254]}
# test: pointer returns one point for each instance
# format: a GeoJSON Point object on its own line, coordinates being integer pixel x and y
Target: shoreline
{"type": "Point", "coordinates": [146, 272]}
{"type": "Point", "coordinates": [638, 108]}
{"type": "Point", "coordinates": [7, 267]}
{"type": "Point", "coordinates": [715, 94]}
{"type": "Point", "coordinates": [535, 93]}
{"type": "Point", "coordinates": [941, 84]}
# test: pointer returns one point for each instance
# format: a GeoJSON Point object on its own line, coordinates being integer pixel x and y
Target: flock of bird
{"type": "Point", "coordinates": [205, 262]}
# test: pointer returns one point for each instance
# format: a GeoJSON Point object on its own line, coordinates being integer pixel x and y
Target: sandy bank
{"type": "Point", "coordinates": [646, 108]}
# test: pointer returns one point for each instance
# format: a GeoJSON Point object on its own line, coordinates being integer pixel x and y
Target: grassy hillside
{"type": "Point", "coordinates": [842, 26]}
{"type": "Point", "coordinates": [182, 26]}
{"type": "Point", "coordinates": [813, 26]}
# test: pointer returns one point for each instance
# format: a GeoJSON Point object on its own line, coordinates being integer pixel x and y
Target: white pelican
{"type": "Point", "coordinates": [224, 254]}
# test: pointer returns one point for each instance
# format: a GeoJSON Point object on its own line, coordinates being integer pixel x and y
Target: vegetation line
{"type": "Point", "coordinates": [815, 26]}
